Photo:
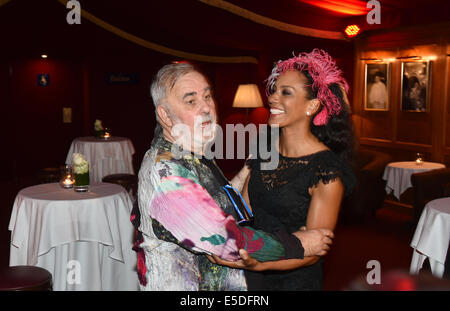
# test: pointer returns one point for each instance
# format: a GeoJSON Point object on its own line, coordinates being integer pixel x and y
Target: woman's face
{"type": "Point", "coordinates": [288, 102]}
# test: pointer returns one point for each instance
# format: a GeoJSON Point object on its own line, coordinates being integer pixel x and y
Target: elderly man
{"type": "Point", "coordinates": [184, 212]}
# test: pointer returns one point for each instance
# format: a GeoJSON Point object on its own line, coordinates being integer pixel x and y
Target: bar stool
{"type": "Point", "coordinates": [49, 175]}
{"type": "Point", "coordinates": [25, 278]}
{"type": "Point", "coordinates": [128, 181]}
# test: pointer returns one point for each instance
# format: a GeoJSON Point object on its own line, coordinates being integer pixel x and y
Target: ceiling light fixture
{"type": "Point", "coordinates": [346, 7]}
{"type": "Point", "coordinates": [352, 30]}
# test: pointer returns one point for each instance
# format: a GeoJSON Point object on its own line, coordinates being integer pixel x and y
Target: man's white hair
{"type": "Point", "coordinates": [165, 80]}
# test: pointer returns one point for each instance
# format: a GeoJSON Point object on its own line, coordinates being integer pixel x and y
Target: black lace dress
{"type": "Point", "coordinates": [280, 200]}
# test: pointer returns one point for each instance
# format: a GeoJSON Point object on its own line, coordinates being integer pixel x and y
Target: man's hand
{"type": "Point", "coordinates": [316, 242]}
{"type": "Point", "coordinates": [246, 262]}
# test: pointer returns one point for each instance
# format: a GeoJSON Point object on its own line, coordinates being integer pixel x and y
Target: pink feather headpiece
{"type": "Point", "coordinates": [323, 71]}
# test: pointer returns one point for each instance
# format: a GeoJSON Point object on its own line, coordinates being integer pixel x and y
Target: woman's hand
{"type": "Point", "coordinates": [246, 262]}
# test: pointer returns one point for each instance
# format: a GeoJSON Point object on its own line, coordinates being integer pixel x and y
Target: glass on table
{"type": "Point", "coordinates": [419, 158]}
{"type": "Point", "coordinates": [67, 181]}
{"type": "Point", "coordinates": [107, 133]}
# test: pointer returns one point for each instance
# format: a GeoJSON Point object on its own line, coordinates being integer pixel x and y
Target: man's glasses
{"type": "Point", "coordinates": [246, 216]}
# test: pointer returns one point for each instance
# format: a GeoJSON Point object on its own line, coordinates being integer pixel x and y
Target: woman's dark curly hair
{"type": "Point", "coordinates": [337, 133]}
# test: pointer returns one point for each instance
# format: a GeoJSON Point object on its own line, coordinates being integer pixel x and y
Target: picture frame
{"type": "Point", "coordinates": [415, 86]}
{"type": "Point", "coordinates": [377, 83]}
{"type": "Point", "coordinates": [43, 79]}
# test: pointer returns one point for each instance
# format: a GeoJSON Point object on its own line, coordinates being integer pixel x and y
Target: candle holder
{"type": "Point", "coordinates": [419, 158]}
{"type": "Point", "coordinates": [67, 181]}
{"type": "Point", "coordinates": [106, 133]}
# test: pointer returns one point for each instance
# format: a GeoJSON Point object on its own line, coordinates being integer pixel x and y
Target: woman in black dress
{"type": "Point", "coordinates": [308, 102]}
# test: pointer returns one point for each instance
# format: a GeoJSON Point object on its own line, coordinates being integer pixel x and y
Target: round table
{"type": "Point", "coordinates": [398, 175]}
{"type": "Point", "coordinates": [105, 156]}
{"type": "Point", "coordinates": [83, 239]}
{"type": "Point", "coordinates": [431, 238]}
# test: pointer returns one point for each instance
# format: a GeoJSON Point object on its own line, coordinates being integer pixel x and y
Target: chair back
{"type": "Point", "coordinates": [428, 186]}
{"type": "Point", "coordinates": [128, 181]}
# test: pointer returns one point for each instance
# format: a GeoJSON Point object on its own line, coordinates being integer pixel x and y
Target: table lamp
{"type": "Point", "coordinates": [247, 96]}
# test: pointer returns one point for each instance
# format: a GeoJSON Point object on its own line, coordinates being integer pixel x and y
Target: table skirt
{"type": "Point", "coordinates": [84, 266]}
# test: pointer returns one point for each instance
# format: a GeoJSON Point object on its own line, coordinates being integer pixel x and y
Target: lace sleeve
{"type": "Point", "coordinates": [328, 168]}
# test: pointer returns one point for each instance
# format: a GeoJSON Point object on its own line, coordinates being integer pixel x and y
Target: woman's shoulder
{"type": "Point", "coordinates": [327, 166]}
{"type": "Point", "coordinates": [324, 158]}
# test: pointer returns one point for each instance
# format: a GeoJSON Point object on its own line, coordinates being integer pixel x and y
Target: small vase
{"type": "Point", "coordinates": [99, 134]}
{"type": "Point", "coordinates": [81, 182]}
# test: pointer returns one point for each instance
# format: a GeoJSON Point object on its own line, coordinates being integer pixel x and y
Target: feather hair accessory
{"type": "Point", "coordinates": [323, 71]}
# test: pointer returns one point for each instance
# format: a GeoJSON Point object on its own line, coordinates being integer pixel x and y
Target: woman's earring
{"type": "Point", "coordinates": [308, 113]}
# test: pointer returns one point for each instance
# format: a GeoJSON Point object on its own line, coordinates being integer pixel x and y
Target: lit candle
{"type": "Point", "coordinates": [419, 161]}
{"type": "Point", "coordinates": [107, 135]}
{"type": "Point", "coordinates": [68, 182]}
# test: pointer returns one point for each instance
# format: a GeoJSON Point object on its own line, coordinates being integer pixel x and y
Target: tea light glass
{"type": "Point", "coordinates": [419, 158]}
{"type": "Point", "coordinates": [67, 181]}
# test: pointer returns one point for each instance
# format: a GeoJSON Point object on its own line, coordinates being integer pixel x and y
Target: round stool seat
{"type": "Point", "coordinates": [128, 181]}
{"type": "Point", "coordinates": [25, 278]}
{"type": "Point", "coordinates": [49, 175]}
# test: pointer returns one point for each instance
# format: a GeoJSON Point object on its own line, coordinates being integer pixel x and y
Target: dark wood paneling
{"type": "Point", "coordinates": [378, 125]}
{"type": "Point", "coordinates": [414, 127]}
{"type": "Point", "coordinates": [403, 133]}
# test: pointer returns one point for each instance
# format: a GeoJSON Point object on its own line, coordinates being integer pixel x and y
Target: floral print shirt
{"type": "Point", "coordinates": [183, 213]}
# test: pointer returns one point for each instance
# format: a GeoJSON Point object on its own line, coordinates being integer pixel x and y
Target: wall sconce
{"type": "Point", "coordinates": [411, 57]}
{"type": "Point", "coordinates": [430, 58]}
{"type": "Point", "coordinates": [381, 60]}
{"type": "Point", "coordinates": [247, 96]}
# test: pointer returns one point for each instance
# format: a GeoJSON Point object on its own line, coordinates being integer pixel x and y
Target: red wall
{"type": "Point", "coordinates": [34, 122]}
{"type": "Point", "coordinates": [40, 138]}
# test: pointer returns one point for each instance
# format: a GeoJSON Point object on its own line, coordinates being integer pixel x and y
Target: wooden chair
{"type": "Point", "coordinates": [369, 192]}
{"type": "Point", "coordinates": [25, 278]}
{"type": "Point", "coordinates": [49, 175]}
{"type": "Point", "coordinates": [428, 186]}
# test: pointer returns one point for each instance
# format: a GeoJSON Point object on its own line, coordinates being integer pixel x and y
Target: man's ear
{"type": "Point", "coordinates": [313, 106]}
{"type": "Point", "coordinates": [164, 116]}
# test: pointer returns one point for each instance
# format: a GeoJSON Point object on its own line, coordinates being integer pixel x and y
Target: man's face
{"type": "Point", "coordinates": [192, 106]}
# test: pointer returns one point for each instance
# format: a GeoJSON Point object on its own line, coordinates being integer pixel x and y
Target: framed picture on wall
{"type": "Point", "coordinates": [376, 86]}
{"type": "Point", "coordinates": [416, 83]}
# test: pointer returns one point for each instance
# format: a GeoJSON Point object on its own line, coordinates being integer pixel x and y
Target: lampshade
{"type": "Point", "coordinates": [247, 96]}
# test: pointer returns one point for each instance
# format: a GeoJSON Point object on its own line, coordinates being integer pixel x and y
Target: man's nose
{"type": "Point", "coordinates": [206, 106]}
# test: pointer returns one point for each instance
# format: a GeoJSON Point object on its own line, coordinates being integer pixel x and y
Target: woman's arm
{"type": "Point", "coordinates": [245, 192]}
{"type": "Point", "coordinates": [241, 178]}
{"type": "Point", "coordinates": [323, 213]}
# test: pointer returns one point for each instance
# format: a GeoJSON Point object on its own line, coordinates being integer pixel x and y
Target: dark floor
{"type": "Point", "coordinates": [385, 239]}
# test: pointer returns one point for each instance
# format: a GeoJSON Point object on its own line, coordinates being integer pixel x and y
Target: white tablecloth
{"type": "Point", "coordinates": [431, 237]}
{"type": "Point", "coordinates": [398, 175]}
{"type": "Point", "coordinates": [105, 157]}
{"type": "Point", "coordinates": [84, 239]}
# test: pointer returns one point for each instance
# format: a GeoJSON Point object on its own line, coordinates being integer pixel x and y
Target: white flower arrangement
{"type": "Point", "coordinates": [80, 164]}
{"type": "Point", "coordinates": [98, 125]}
